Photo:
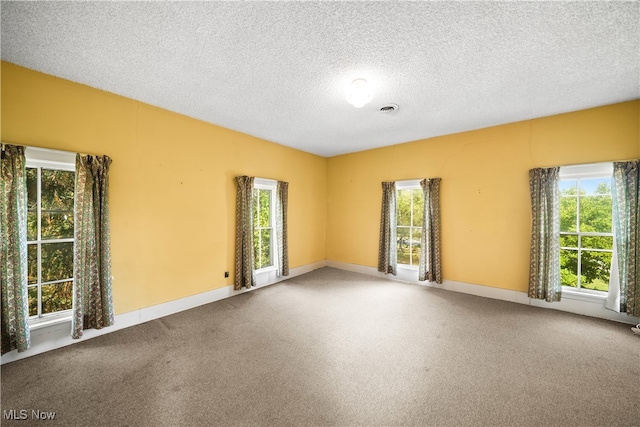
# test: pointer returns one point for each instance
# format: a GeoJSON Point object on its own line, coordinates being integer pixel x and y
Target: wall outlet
{"type": "Point", "coordinates": [226, 274]}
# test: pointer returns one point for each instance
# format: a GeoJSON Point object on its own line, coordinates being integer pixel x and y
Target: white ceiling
{"type": "Point", "coordinates": [279, 71]}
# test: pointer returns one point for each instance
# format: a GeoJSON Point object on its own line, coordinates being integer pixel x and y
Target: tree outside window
{"type": "Point", "coordinates": [586, 238]}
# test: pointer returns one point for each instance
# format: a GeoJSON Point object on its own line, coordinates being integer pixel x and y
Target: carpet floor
{"type": "Point", "coordinates": [334, 348]}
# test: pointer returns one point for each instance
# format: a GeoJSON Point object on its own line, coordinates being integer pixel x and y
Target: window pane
{"type": "Point", "coordinates": [595, 214]}
{"type": "Point", "coordinates": [33, 300]}
{"type": "Point", "coordinates": [32, 226]}
{"type": "Point", "coordinates": [265, 259]}
{"type": "Point", "coordinates": [569, 267]}
{"type": "Point", "coordinates": [32, 189]}
{"type": "Point", "coordinates": [57, 297]}
{"type": "Point", "coordinates": [57, 225]}
{"type": "Point", "coordinates": [568, 187]}
{"type": "Point", "coordinates": [569, 240]}
{"type": "Point", "coordinates": [415, 246]}
{"type": "Point", "coordinates": [595, 270]}
{"type": "Point", "coordinates": [594, 186]}
{"type": "Point", "coordinates": [32, 204]}
{"type": "Point", "coordinates": [597, 242]}
{"type": "Point", "coordinates": [404, 207]}
{"type": "Point", "coordinates": [403, 246]}
{"type": "Point", "coordinates": [57, 190]}
{"type": "Point", "coordinates": [568, 213]}
{"type": "Point", "coordinates": [418, 207]}
{"type": "Point", "coordinates": [32, 264]}
{"type": "Point", "coordinates": [57, 261]}
{"type": "Point", "coordinates": [256, 249]}
{"type": "Point", "coordinates": [265, 208]}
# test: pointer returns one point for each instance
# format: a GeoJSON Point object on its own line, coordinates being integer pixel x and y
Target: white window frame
{"type": "Point", "coordinates": [409, 184]}
{"type": "Point", "coordinates": [578, 172]}
{"type": "Point", "coordinates": [272, 185]}
{"type": "Point", "coordinates": [59, 160]}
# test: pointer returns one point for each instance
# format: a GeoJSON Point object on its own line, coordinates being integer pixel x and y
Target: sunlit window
{"type": "Point", "coordinates": [410, 205]}
{"type": "Point", "coordinates": [50, 232]}
{"type": "Point", "coordinates": [263, 223]}
{"type": "Point", "coordinates": [586, 234]}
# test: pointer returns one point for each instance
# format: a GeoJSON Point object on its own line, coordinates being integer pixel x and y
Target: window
{"type": "Point", "coordinates": [50, 232]}
{"type": "Point", "coordinates": [410, 207]}
{"type": "Point", "coordinates": [586, 234]}
{"type": "Point", "coordinates": [263, 223]}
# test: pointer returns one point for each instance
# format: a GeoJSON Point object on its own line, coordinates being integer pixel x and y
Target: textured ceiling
{"type": "Point", "coordinates": [279, 71]}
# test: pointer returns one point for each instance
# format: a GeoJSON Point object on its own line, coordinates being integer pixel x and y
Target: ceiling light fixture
{"type": "Point", "coordinates": [359, 93]}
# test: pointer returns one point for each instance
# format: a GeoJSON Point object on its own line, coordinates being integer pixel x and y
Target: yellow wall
{"type": "Point", "coordinates": [172, 182]}
{"type": "Point", "coordinates": [173, 191]}
{"type": "Point", "coordinates": [484, 192]}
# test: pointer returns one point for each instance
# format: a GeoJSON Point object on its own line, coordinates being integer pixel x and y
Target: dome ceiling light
{"type": "Point", "coordinates": [359, 93]}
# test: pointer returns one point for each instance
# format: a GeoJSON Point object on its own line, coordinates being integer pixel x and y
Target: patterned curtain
{"type": "Point", "coordinates": [387, 254]}
{"type": "Point", "coordinates": [626, 219]}
{"type": "Point", "coordinates": [13, 250]}
{"type": "Point", "coordinates": [430, 265]}
{"type": "Point", "coordinates": [92, 305]}
{"type": "Point", "coordinates": [282, 203]}
{"type": "Point", "coordinates": [544, 263]}
{"type": "Point", "coordinates": [244, 275]}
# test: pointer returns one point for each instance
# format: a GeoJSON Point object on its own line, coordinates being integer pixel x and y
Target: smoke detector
{"type": "Point", "coordinates": [389, 108]}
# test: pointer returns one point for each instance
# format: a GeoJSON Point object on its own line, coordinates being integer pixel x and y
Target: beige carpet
{"type": "Point", "coordinates": [332, 348]}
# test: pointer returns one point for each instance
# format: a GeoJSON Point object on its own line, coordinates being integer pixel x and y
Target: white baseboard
{"type": "Point", "coordinates": [572, 303]}
{"type": "Point", "coordinates": [59, 334]}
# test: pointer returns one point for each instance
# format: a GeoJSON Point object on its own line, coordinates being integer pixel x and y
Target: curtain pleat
{"type": "Point", "coordinates": [244, 274]}
{"type": "Point", "coordinates": [387, 252]}
{"type": "Point", "coordinates": [544, 264]}
{"type": "Point", "coordinates": [13, 250]}
{"type": "Point", "coordinates": [93, 302]}
{"type": "Point", "coordinates": [430, 266]}
{"type": "Point", "coordinates": [282, 203]}
{"type": "Point", "coordinates": [626, 218]}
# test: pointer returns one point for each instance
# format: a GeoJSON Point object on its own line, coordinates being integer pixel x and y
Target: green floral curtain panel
{"type": "Point", "coordinates": [387, 253]}
{"type": "Point", "coordinates": [430, 267]}
{"type": "Point", "coordinates": [244, 274]}
{"type": "Point", "coordinates": [626, 219]}
{"type": "Point", "coordinates": [282, 205]}
{"type": "Point", "coordinates": [92, 305]}
{"type": "Point", "coordinates": [544, 264]}
{"type": "Point", "coordinates": [13, 250]}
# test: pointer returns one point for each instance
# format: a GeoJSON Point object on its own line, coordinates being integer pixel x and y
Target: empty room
{"type": "Point", "coordinates": [320, 213]}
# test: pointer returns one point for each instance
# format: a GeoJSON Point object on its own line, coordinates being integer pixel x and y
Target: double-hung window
{"type": "Point", "coordinates": [586, 234]}
{"type": "Point", "coordinates": [409, 215]}
{"type": "Point", "coordinates": [50, 233]}
{"type": "Point", "coordinates": [264, 214]}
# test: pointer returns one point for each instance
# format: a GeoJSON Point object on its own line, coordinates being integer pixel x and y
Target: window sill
{"type": "Point", "coordinates": [40, 324]}
{"type": "Point", "coordinates": [583, 296]}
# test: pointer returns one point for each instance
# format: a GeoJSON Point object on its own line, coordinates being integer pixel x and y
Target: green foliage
{"type": "Point", "coordinates": [56, 258]}
{"type": "Point", "coordinates": [263, 228]}
{"type": "Point", "coordinates": [595, 209]}
{"type": "Point", "coordinates": [410, 207]}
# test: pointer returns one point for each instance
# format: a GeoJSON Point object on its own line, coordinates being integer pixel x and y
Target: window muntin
{"type": "Point", "coordinates": [586, 234]}
{"type": "Point", "coordinates": [409, 214]}
{"type": "Point", "coordinates": [50, 198]}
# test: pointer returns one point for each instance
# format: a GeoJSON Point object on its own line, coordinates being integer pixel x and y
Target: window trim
{"type": "Point", "coordinates": [579, 172]}
{"type": "Point", "coordinates": [269, 184]}
{"type": "Point", "coordinates": [36, 157]}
